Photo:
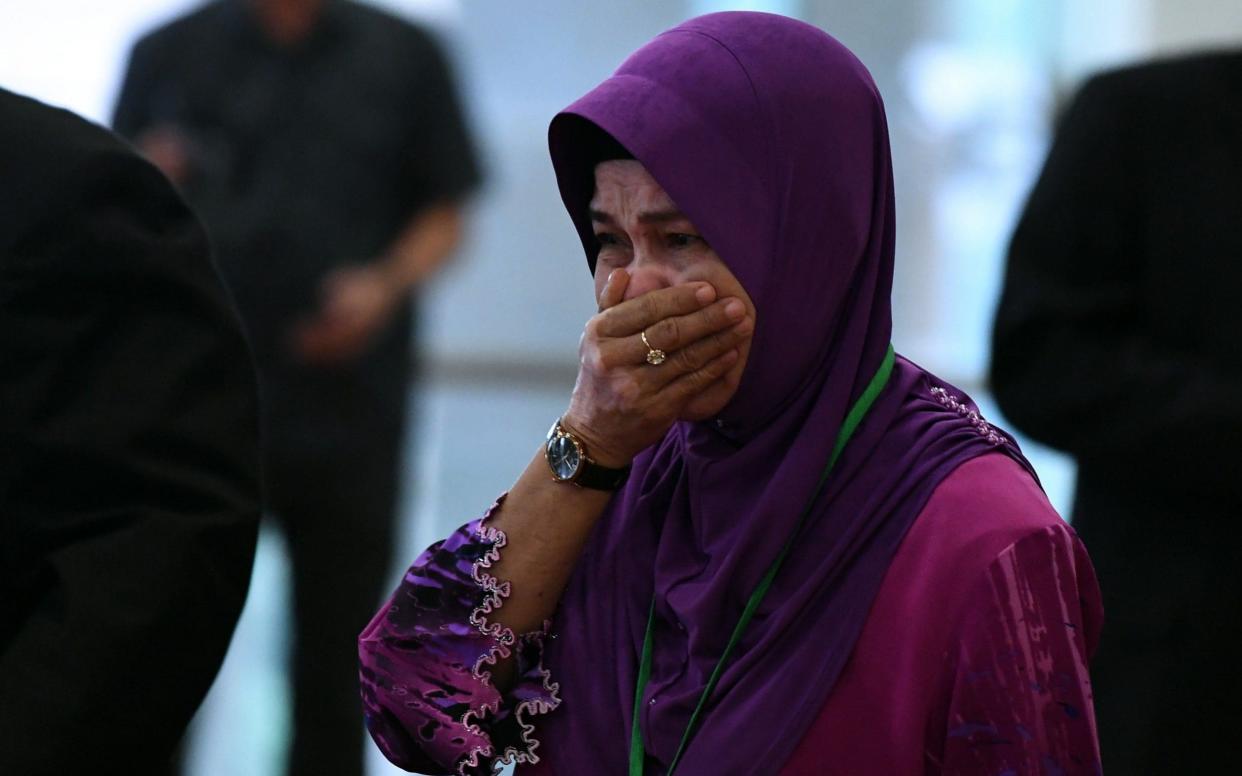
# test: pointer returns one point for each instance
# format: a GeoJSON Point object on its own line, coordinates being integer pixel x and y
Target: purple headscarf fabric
{"type": "Point", "coordinates": [771, 137]}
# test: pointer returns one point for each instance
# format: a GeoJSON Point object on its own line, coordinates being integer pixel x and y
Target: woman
{"type": "Point", "coordinates": [786, 550]}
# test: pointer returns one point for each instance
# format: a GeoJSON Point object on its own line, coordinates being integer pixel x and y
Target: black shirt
{"type": "Point", "coordinates": [1116, 334]}
{"type": "Point", "coordinates": [306, 158]}
{"type": "Point", "coordinates": [129, 454]}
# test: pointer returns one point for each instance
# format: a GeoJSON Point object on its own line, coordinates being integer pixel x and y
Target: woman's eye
{"type": "Point", "coordinates": [607, 239]}
{"type": "Point", "coordinates": [679, 240]}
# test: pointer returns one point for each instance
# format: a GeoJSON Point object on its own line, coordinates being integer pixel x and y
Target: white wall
{"type": "Point", "coordinates": [1104, 33]}
{"type": "Point", "coordinates": [72, 52]}
{"type": "Point", "coordinates": [1181, 24]}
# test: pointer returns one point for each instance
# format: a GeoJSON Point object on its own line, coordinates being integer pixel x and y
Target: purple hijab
{"type": "Point", "coordinates": [771, 137]}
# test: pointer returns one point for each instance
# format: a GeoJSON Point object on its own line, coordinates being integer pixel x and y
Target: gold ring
{"type": "Point", "coordinates": [655, 356]}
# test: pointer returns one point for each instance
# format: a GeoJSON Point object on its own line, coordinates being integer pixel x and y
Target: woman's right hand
{"type": "Point", "coordinates": [621, 404]}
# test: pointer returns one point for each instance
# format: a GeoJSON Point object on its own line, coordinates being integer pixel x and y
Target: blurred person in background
{"type": "Point", "coordinates": [1116, 340]}
{"type": "Point", "coordinates": [323, 144]}
{"type": "Point", "coordinates": [129, 454]}
{"type": "Point", "coordinates": [757, 541]}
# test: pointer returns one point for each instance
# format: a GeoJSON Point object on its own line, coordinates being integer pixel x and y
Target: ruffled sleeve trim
{"type": "Point", "coordinates": [426, 660]}
{"type": "Point", "coordinates": [534, 691]}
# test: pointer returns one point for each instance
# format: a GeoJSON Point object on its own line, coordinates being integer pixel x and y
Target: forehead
{"type": "Point", "coordinates": [626, 181]}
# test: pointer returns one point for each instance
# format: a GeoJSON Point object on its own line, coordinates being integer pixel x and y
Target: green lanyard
{"type": "Point", "coordinates": [637, 751]}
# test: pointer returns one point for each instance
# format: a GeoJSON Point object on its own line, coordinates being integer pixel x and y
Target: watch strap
{"type": "Point", "coordinates": [598, 477]}
{"type": "Point", "coordinates": [590, 474]}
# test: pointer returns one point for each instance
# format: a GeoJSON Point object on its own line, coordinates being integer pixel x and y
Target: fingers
{"type": "Point", "coordinates": [702, 352]}
{"type": "Point", "coordinates": [689, 341]}
{"type": "Point", "coordinates": [673, 334]}
{"type": "Point", "coordinates": [614, 289]}
{"type": "Point", "coordinates": [634, 315]}
{"type": "Point", "coordinates": [691, 384]}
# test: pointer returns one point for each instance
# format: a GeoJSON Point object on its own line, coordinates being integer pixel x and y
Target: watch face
{"type": "Point", "coordinates": [563, 457]}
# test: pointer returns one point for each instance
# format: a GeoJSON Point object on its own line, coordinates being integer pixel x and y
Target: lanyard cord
{"type": "Point", "coordinates": [852, 420]}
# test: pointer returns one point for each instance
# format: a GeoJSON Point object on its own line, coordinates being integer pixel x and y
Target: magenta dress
{"type": "Point", "coordinates": [973, 659]}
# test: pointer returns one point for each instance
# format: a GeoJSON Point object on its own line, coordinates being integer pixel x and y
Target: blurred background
{"type": "Point", "coordinates": [972, 87]}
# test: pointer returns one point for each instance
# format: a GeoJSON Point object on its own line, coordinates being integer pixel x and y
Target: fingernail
{"type": "Point", "coordinates": [735, 309]}
{"type": "Point", "coordinates": [705, 293]}
{"type": "Point", "coordinates": [745, 327]}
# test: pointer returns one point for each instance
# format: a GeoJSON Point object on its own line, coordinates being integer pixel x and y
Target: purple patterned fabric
{"type": "Point", "coordinates": [771, 137]}
{"type": "Point", "coordinates": [974, 656]}
{"type": "Point", "coordinates": [1021, 695]}
{"type": "Point", "coordinates": [426, 690]}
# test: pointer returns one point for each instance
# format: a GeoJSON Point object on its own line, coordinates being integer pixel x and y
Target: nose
{"type": "Point", "coordinates": [647, 273]}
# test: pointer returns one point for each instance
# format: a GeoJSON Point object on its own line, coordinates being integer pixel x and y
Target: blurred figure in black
{"type": "Point", "coordinates": [129, 454]}
{"type": "Point", "coordinates": [323, 144]}
{"type": "Point", "coordinates": [1117, 340]}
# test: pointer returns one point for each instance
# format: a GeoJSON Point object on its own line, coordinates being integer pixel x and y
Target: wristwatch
{"type": "Point", "coordinates": [569, 462]}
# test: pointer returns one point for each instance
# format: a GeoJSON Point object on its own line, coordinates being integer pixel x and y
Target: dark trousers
{"type": "Point", "coordinates": [337, 515]}
{"type": "Point", "coordinates": [1168, 689]}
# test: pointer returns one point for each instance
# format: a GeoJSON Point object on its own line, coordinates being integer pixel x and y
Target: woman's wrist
{"type": "Point", "coordinates": [598, 448]}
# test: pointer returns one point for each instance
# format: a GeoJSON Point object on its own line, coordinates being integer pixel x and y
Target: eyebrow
{"type": "Point", "coordinates": [649, 217]}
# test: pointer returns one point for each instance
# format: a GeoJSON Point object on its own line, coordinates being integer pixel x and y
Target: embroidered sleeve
{"type": "Point", "coordinates": [426, 689]}
{"type": "Point", "coordinates": [1020, 692]}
